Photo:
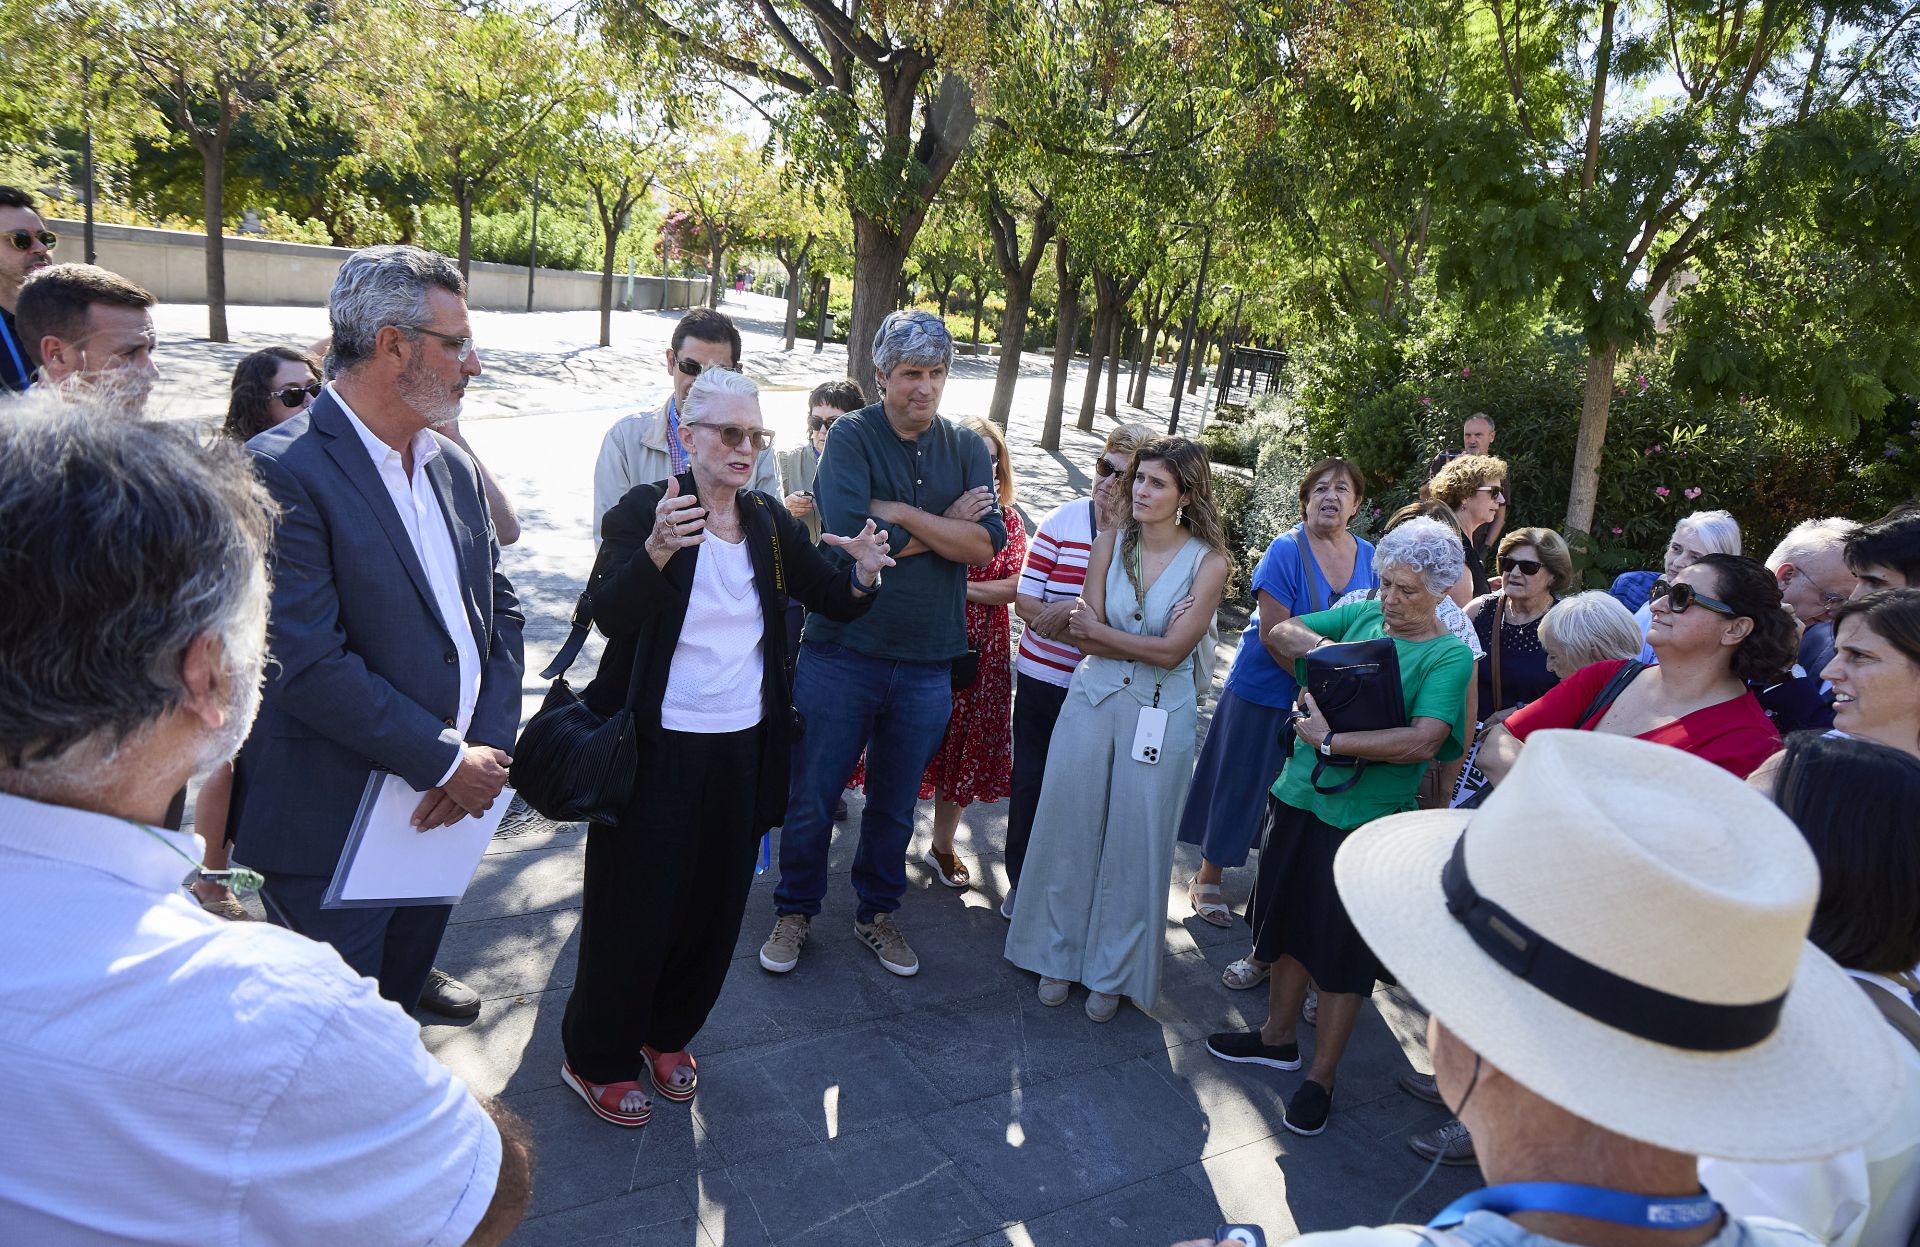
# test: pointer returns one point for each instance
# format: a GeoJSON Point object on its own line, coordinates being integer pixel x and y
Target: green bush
{"type": "Point", "coordinates": [569, 237]}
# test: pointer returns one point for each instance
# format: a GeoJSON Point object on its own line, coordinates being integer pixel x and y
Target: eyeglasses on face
{"type": "Point", "coordinates": [23, 239]}
{"type": "Point", "coordinates": [1680, 595]}
{"type": "Point", "coordinates": [693, 367]}
{"type": "Point", "coordinates": [733, 434]}
{"type": "Point", "coordinates": [1104, 469]}
{"type": "Point", "coordinates": [816, 423]}
{"type": "Point", "coordinates": [1526, 567]}
{"type": "Point", "coordinates": [1499, 494]}
{"type": "Point", "coordinates": [298, 395]}
{"type": "Point", "coordinates": [463, 347]}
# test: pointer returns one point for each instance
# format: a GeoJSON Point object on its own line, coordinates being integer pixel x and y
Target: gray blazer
{"type": "Point", "coordinates": [362, 673]}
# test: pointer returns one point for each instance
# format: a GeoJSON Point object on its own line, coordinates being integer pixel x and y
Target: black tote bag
{"type": "Point", "coordinates": [1356, 684]}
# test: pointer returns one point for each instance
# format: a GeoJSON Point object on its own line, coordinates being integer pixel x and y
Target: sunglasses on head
{"type": "Point", "coordinates": [1526, 567]}
{"type": "Point", "coordinates": [733, 434]}
{"type": "Point", "coordinates": [693, 367]}
{"type": "Point", "coordinates": [297, 395]}
{"type": "Point", "coordinates": [23, 239]}
{"type": "Point", "coordinates": [1680, 595]}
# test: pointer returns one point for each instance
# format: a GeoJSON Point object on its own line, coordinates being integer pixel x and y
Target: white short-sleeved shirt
{"type": "Point", "coordinates": [171, 1077]}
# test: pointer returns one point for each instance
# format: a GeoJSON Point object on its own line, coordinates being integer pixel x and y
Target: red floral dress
{"type": "Point", "coordinates": [975, 760]}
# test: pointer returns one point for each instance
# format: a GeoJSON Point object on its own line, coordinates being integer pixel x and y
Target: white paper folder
{"type": "Point", "coordinates": [388, 861]}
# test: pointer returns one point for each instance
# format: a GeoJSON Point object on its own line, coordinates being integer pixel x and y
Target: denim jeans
{"type": "Point", "coordinates": [897, 712]}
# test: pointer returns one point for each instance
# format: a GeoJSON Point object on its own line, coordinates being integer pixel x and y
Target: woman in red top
{"type": "Point", "coordinates": [1716, 625]}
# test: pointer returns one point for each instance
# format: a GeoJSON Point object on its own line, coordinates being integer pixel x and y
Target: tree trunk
{"type": "Point", "coordinates": [1013, 332]}
{"type": "Point", "coordinates": [1097, 349]}
{"type": "Point", "coordinates": [793, 299]}
{"type": "Point", "coordinates": [1595, 402]}
{"type": "Point", "coordinates": [975, 282]}
{"type": "Point", "coordinates": [946, 295]}
{"type": "Point", "coordinates": [878, 256]}
{"type": "Point", "coordinates": [213, 201]}
{"type": "Point", "coordinates": [1202, 340]}
{"type": "Point", "coordinates": [1066, 329]}
{"type": "Point", "coordinates": [719, 253]}
{"type": "Point", "coordinates": [464, 198]}
{"type": "Point", "coordinates": [606, 286]}
{"type": "Point", "coordinates": [1113, 374]}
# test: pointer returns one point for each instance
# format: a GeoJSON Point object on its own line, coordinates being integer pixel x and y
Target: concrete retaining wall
{"type": "Point", "coordinates": [173, 265]}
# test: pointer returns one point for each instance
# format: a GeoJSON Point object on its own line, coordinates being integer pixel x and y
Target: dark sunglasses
{"type": "Point", "coordinates": [693, 367]}
{"type": "Point", "coordinates": [296, 395]}
{"type": "Point", "coordinates": [733, 434]}
{"type": "Point", "coordinates": [1102, 468]}
{"type": "Point", "coordinates": [1681, 595]}
{"type": "Point", "coordinates": [816, 423]}
{"type": "Point", "coordinates": [23, 239]}
{"type": "Point", "coordinates": [1526, 567]}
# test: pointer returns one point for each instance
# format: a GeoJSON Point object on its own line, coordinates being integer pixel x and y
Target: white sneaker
{"type": "Point", "coordinates": [1006, 906]}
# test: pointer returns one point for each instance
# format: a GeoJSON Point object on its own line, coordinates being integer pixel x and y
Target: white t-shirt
{"type": "Point", "coordinates": [1868, 1197]}
{"type": "Point", "coordinates": [172, 1077]}
{"type": "Point", "coordinates": [714, 683]}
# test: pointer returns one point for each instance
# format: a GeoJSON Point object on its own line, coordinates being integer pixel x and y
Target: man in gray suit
{"type": "Point", "coordinates": [395, 637]}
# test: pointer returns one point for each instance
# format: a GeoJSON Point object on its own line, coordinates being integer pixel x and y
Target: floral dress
{"type": "Point", "coordinates": [975, 760]}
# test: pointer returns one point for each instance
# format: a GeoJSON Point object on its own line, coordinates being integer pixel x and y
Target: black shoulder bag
{"type": "Point", "coordinates": [1356, 685]}
{"type": "Point", "coordinates": [780, 586]}
{"type": "Point", "coordinates": [570, 764]}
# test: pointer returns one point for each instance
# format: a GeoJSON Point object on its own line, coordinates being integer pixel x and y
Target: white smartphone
{"type": "Point", "coordinates": [1148, 734]}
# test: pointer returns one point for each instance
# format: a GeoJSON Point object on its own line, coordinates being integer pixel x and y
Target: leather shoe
{"type": "Point", "coordinates": [449, 997]}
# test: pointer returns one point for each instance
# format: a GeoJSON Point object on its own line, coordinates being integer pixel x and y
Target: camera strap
{"type": "Point", "coordinates": [1596, 1203]}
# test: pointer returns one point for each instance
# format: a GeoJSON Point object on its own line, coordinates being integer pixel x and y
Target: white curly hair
{"type": "Point", "coordinates": [1428, 547]}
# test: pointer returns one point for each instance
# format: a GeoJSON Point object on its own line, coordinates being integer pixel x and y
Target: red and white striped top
{"type": "Point", "coordinates": [1056, 569]}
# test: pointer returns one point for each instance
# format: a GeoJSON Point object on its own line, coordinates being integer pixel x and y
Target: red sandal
{"type": "Point", "coordinates": [660, 1068]}
{"type": "Point", "coordinates": [604, 1098]}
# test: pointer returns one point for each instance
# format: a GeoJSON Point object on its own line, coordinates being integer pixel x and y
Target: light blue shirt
{"type": "Point", "coordinates": [1490, 1229]}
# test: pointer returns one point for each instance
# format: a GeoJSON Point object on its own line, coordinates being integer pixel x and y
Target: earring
{"type": "Point", "coordinates": [1180, 514]}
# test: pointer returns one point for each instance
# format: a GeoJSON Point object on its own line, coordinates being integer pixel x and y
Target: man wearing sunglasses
{"type": "Point", "coordinates": [26, 246]}
{"type": "Point", "coordinates": [645, 447]}
{"type": "Point", "coordinates": [83, 324]}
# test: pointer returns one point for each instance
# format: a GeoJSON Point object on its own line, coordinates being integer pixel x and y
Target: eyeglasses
{"type": "Point", "coordinates": [816, 423]}
{"type": "Point", "coordinates": [1680, 595]}
{"type": "Point", "coordinates": [693, 367]}
{"type": "Point", "coordinates": [23, 239]}
{"type": "Point", "coordinates": [1102, 468]}
{"type": "Point", "coordinates": [1829, 600]}
{"type": "Point", "coordinates": [298, 395]}
{"type": "Point", "coordinates": [733, 434]}
{"type": "Point", "coordinates": [1526, 567]}
{"type": "Point", "coordinates": [463, 347]}
{"type": "Point", "coordinates": [1499, 494]}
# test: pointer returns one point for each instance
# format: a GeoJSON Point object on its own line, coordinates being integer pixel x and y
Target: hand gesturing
{"type": "Point", "coordinates": [867, 548]}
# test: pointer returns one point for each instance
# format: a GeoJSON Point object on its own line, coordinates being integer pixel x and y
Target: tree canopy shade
{"type": "Point", "coordinates": [876, 99]}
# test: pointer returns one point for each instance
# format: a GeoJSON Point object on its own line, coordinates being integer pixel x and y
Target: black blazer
{"type": "Point", "coordinates": [641, 608]}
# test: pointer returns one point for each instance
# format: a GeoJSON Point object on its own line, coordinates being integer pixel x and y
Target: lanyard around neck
{"type": "Point", "coordinates": [1140, 587]}
{"type": "Point", "coordinates": [1596, 1203]}
{"type": "Point", "coordinates": [19, 363]}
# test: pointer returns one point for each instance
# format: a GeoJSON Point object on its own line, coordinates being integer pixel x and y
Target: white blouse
{"type": "Point", "coordinates": [713, 683]}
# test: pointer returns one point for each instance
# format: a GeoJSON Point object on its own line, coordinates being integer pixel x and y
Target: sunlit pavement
{"type": "Point", "coordinates": [839, 1104]}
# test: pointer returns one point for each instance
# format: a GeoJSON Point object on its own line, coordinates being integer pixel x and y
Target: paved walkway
{"type": "Point", "coordinates": [839, 1104]}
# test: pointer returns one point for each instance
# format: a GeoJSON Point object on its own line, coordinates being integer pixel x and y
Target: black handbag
{"type": "Point", "coordinates": [1356, 684]}
{"type": "Point", "coordinates": [570, 764]}
{"type": "Point", "coordinates": [965, 670]}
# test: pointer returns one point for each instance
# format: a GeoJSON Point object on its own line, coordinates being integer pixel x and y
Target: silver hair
{"type": "Point", "coordinates": [1810, 538]}
{"type": "Point", "coordinates": [381, 286]}
{"type": "Point", "coordinates": [911, 338]}
{"type": "Point", "coordinates": [712, 383]}
{"type": "Point", "coordinates": [1480, 415]}
{"type": "Point", "coordinates": [1590, 627]}
{"type": "Point", "coordinates": [125, 541]}
{"type": "Point", "coordinates": [1426, 546]}
{"type": "Point", "coordinates": [1718, 531]}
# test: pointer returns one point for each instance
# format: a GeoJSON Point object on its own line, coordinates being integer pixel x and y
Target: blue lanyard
{"type": "Point", "coordinates": [1597, 1203]}
{"type": "Point", "coordinates": [26, 373]}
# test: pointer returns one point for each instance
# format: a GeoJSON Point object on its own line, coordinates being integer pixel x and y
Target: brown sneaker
{"type": "Point", "coordinates": [888, 944]}
{"type": "Point", "coordinates": [781, 952]}
{"type": "Point", "coordinates": [1450, 1145]}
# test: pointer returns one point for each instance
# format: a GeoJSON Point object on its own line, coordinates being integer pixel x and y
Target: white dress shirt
{"type": "Point", "coordinates": [427, 528]}
{"type": "Point", "coordinates": [172, 1077]}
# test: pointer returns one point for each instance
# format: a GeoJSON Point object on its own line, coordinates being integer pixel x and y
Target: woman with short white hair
{"type": "Point", "coordinates": [1300, 924]}
{"type": "Point", "coordinates": [1588, 628]}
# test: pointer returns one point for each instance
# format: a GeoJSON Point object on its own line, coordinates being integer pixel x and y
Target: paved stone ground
{"type": "Point", "coordinates": [839, 1104]}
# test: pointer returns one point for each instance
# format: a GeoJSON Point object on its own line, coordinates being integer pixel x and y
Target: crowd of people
{"type": "Point", "coordinates": [1592, 833]}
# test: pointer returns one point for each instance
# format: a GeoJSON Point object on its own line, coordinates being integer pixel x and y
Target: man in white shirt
{"type": "Point", "coordinates": [395, 637]}
{"type": "Point", "coordinates": [645, 447]}
{"type": "Point", "coordinates": [127, 666]}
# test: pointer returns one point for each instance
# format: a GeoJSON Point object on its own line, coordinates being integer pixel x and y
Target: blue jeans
{"type": "Point", "coordinates": [897, 712]}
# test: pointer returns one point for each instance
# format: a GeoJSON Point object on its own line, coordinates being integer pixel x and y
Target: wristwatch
{"type": "Point", "coordinates": [1326, 745]}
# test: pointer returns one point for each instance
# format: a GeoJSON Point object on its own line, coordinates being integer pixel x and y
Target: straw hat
{"type": "Point", "coordinates": [1667, 901]}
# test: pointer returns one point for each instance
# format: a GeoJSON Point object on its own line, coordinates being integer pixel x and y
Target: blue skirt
{"type": "Point", "coordinates": [1238, 763]}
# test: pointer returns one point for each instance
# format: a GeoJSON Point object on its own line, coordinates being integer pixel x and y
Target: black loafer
{"type": "Point", "coordinates": [449, 997]}
{"type": "Point", "coordinates": [1245, 1048]}
{"type": "Point", "coordinates": [1307, 1110]}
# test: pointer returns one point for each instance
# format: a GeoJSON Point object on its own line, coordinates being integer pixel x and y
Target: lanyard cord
{"type": "Point", "coordinates": [1139, 584]}
{"type": "Point", "coordinates": [13, 349]}
{"type": "Point", "coordinates": [238, 878]}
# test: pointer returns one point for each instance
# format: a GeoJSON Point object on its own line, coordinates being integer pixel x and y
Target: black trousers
{"type": "Point", "coordinates": [661, 907]}
{"type": "Point", "coordinates": [394, 946]}
{"type": "Point", "coordinates": [1036, 707]}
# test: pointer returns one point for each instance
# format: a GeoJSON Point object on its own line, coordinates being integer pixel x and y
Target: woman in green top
{"type": "Point", "coordinates": [1298, 920]}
